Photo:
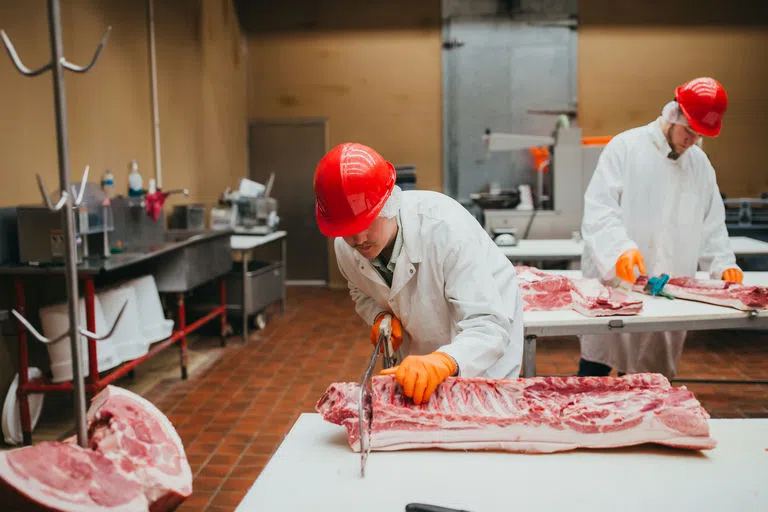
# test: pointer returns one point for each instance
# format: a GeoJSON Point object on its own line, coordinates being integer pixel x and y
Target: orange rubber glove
{"type": "Point", "coordinates": [733, 275]}
{"type": "Point", "coordinates": [625, 266]}
{"type": "Point", "coordinates": [397, 331]}
{"type": "Point", "coordinates": [420, 375]}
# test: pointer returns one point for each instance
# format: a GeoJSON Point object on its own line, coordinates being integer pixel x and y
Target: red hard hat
{"type": "Point", "coordinates": [703, 102]}
{"type": "Point", "coordinates": [352, 183]}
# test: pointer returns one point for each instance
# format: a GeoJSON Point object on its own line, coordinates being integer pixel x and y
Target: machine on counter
{"type": "Point", "coordinates": [249, 210]}
{"type": "Point", "coordinates": [41, 231]}
{"type": "Point", "coordinates": [564, 163]}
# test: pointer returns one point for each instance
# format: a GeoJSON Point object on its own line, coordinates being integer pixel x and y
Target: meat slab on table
{"type": "Point", "coordinates": [135, 462]}
{"type": "Point", "coordinates": [536, 415]}
{"type": "Point", "coordinates": [713, 291]}
{"type": "Point", "coordinates": [588, 296]}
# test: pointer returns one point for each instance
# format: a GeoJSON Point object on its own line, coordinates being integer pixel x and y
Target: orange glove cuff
{"type": "Point", "coordinates": [397, 330]}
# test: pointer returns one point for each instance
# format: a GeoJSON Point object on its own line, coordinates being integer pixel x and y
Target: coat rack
{"type": "Point", "coordinates": [67, 201]}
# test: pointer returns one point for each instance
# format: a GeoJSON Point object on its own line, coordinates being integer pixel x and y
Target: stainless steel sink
{"type": "Point", "coordinates": [193, 258]}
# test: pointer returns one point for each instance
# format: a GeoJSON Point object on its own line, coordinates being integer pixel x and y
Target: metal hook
{"type": "Point", "coordinates": [24, 70]}
{"type": "Point", "coordinates": [64, 195]}
{"type": "Point", "coordinates": [84, 69]}
{"type": "Point", "coordinates": [47, 198]}
{"type": "Point", "coordinates": [79, 196]}
{"type": "Point", "coordinates": [84, 332]}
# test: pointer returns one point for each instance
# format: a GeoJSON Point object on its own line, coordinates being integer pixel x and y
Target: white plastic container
{"type": "Point", "coordinates": [55, 321]}
{"type": "Point", "coordinates": [152, 319]}
{"type": "Point", "coordinates": [128, 339]}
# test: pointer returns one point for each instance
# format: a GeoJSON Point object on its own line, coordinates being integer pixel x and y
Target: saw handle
{"type": "Point", "coordinates": [423, 507]}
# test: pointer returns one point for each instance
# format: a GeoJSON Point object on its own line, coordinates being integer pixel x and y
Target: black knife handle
{"type": "Point", "coordinates": [423, 507]}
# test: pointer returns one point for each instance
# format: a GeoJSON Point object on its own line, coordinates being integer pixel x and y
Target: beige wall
{"type": "Point", "coordinates": [377, 85]}
{"type": "Point", "coordinates": [201, 89]}
{"type": "Point", "coordinates": [630, 63]}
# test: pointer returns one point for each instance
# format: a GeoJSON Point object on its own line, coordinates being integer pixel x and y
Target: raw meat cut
{"type": "Point", "coordinates": [135, 461]}
{"type": "Point", "coordinates": [142, 442]}
{"type": "Point", "coordinates": [712, 291]}
{"type": "Point", "coordinates": [588, 296]}
{"type": "Point", "coordinates": [536, 415]}
{"type": "Point", "coordinates": [542, 291]}
{"type": "Point", "coordinates": [592, 298]}
{"type": "Point", "coordinates": [61, 476]}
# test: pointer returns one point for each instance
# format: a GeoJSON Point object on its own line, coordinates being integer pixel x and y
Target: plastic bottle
{"type": "Point", "coordinates": [107, 182]}
{"type": "Point", "coordinates": [135, 181]}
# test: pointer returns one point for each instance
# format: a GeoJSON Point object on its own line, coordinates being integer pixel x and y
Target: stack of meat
{"type": "Point", "coordinates": [536, 415]}
{"type": "Point", "coordinates": [711, 291]}
{"type": "Point", "coordinates": [588, 296]}
{"type": "Point", "coordinates": [135, 461]}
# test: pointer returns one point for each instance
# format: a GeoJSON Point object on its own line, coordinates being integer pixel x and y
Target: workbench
{"type": "Point", "coordinates": [178, 265]}
{"type": "Point", "coordinates": [316, 457]}
{"type": "Point", "coordinates": [571, 249]}
{"type": "Point", "coordinates": [242, 248]}
{"type": "Point", "coordinates": [659, 314]}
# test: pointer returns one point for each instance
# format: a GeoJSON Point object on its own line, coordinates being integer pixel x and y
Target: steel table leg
{"type": "Point", "coordinates": [26, 419]}
{"type": "Point", "coordinates": [223, 295]}
{"type": "Point", "coordinates": [245, 296]}
{"type": "Point", "coordinates": [284, 254]}
{"type": "Point", "coordinates": [529, 356]}
{"type": "Point", "coordinates": [183, 341]}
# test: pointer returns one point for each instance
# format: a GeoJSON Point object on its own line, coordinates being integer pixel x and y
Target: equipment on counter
{"type": "Point", "coordinates": [747, 211]}
{"type": "Point", "coordinates": [187, 216]}
{"type": "Point", "coordinates": [134, 230]}
{"type": "Point", "coordinates": [41, 231]}
{"type": "Point", "coordinates": [248, 210]}
{"type": "Point", "coordinates": [505, 237]}
{"type": "Point", "coordinates": [564, 163]}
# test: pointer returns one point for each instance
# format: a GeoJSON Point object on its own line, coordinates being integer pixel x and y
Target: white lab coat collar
{"type": "Point", "coordinates": [656, 132]}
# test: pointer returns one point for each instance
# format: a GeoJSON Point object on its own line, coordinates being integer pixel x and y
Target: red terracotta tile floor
{"type": "Point", "coordinates": [233, 413]}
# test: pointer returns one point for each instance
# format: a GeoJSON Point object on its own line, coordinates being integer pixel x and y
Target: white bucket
{"type": "Point", "coordinates": [55, 322]}
{"type": "Point", "coordinates": [128, 338]}
{"type": "Point", "coordinates": [153, 323]}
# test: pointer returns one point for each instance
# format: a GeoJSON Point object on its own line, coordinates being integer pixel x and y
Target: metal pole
{"type": "Point", "coordinates": [54, 22]}
{"type": "Point", "coordinates": [153, 82]}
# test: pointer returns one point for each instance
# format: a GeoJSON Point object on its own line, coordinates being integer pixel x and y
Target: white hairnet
{"type": "Point", "coordinates": [672, 114]}
{"type": "Point", "coordinates": [392, 206]}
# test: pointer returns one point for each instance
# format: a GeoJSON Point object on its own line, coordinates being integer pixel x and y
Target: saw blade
{"type": "Point", "coordinates": [363, 416]}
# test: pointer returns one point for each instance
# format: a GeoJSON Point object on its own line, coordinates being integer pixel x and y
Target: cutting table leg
{"type": "Point", "coordinates": [245, 297]}
{"type": "Point", "coordinates": [223, 295]}
{"type": "Point", "coordinates": [529, 356]}
{"type": "Point", "coordinates": [26, 419]}
{"type": "Point", "coordinates": [284, 254]}
{"type": "Point", "coordinates": [183, 341]}
{"type": "Point", "coordinates": [90, 322]}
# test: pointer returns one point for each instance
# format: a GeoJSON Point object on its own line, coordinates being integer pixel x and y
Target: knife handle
{"type": "Point", "coordinates": [423, 507]}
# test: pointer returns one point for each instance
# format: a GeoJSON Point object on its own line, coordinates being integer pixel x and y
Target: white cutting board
{"type": "Point", "coordinates": [314, 469]}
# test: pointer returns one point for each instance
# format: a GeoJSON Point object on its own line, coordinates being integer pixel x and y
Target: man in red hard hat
{"type": "Point", "coordinates": [653, 204]}
{"type": "Point", "coordinates": [422, 259]}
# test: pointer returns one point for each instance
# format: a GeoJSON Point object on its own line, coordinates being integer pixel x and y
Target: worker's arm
{"type": "Point", "coordinates": [602, 229]}
{"type": "Point", "coordinates": [484, 329]}
{"type": "Point", "coordinates": [716, 244]}
{"type": "Point", "coordinates": [366, 307]}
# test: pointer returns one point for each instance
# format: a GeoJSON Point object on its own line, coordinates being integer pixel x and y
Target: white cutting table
{"type": "Point", "coordinates": [659, 314]}
{"type": "Point", "coordinates": [315, 469]}
{"type": "Point", "coordinates": [242, 246]}
{"type": "Point", "coordinates": [569, 249]}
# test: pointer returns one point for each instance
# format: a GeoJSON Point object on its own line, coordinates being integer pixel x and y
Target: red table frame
{"type": "Point", "coordinates": [94, 383]}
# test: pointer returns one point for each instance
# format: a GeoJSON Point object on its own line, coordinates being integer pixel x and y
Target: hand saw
{"type": "Point", "coordinates": [390, 359]}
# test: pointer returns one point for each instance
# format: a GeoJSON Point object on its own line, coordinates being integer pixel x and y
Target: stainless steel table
{"type": "Point", "coordinates": [242, 246]}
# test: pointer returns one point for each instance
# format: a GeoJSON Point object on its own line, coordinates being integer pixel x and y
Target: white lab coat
{"type": "Point", "coordinates": [453, 289]}
{"type": "Point", "coordinates": [672, 212]}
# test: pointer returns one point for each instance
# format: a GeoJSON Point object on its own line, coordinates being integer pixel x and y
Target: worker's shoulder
{"type": "Point", "coordinates": [628, 138]}
{"type": "Point", "coordinates": [434, 207]}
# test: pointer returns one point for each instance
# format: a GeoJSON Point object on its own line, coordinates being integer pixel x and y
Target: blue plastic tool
{"type": "Point", "coordinates": [655, 286]}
